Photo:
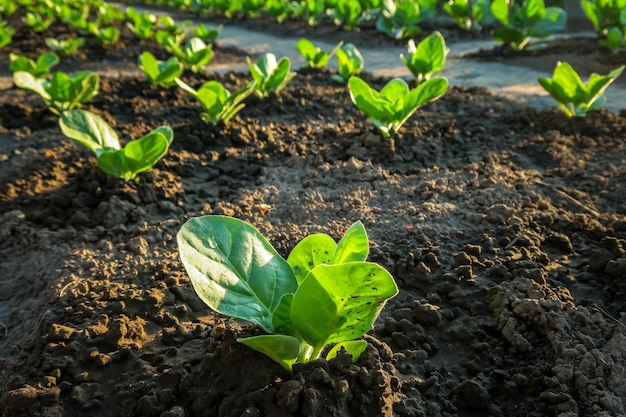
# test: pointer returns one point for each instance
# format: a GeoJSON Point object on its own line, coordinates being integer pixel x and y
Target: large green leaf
{"type": "Point", "coordinates": [28, 82]}
{"type": "Point", "coordinates": [89, 130]}
{"type": "Point", "coordinates": [338, 303]}
{"type": "Point", "coordinates": [234, 269]}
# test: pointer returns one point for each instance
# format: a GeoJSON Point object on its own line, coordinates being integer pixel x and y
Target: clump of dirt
{"type": "Point", "coordinates": [505, 228]}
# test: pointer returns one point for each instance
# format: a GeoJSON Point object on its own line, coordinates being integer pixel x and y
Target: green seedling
{"type": "Point", "coordinates": [65, 46]}
{"type": "Point", "coordinates": [270, 76]}
{"type": "Point", "coordinates": [347, 13]}
{"type": "Point", "coordinates": [252, 8]}
{"type": "Point", "coordinates": [469, 14]}
{"type": "Point", "coordinates": [313, 55]}
{"type": "Point", "coordinates": [195, 54]}
{"type": "Point", "coordinates": [63, 92]}
{"type": "Point", "coordinates": [116, 161]}
{"type": "Point", "coordinates": [177, 30]}
{"type": "Point", "coordinates": [141, 24]}
{"type": "Point", "coordinates": [396, 102]}
{"type": "Point", "coordinates": [615, 39]}
{"type": "Point", "coordinates": [349, 63]}
{"type": "Point", "coordinates": [526, 20]}
{"type": "Point", "coordinates": [6, 34]}
{"type": "Point", "coordinates": [400, 20]}
{"type": "Point", "coordinates": [279, 10]}
{"type": "Point", "coordinates": [8, 7]}
{"type": "Point", "coordinates": [426, 59]}
{"type": "Point", "coordinates": [572, 95]}
{"type": "Point", "coordinates": [324, 294]}
{"type": "Point", "coordinates": [161, 73]}
{"type": "Point", "coordinates": [37, 21]}
{"type": "Point", "coordinates": [104, 36]}
{"type": "Point", "coordinates": [208, 34]}
{"type": "Point", "coordinates": [108, 14]}
{"type": "Point", "coordinates": [605, 14]}
{"type": "Point", "coordinates": [218, 103]}
{"type": "Point", "coordinates": [38, 68]}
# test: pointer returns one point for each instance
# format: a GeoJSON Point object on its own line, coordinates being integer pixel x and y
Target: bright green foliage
{"type": "Point", "coordinates": [218, 103]}
{"type": "Point", "coordinates": [178, 30]}
{"type": "Point", "coordinates": [37, 21]}
{"type": "Point", "coordinates": [6, 34]}
{"type": "Point", "coordinates": [104, 36]}
{"type": "Point", "coordinates": [108, 14]}
{"type": "Point", "coordinates": [195, 54]}
{"type": "Point", "coordinates": [38, 68]}
{"type": "Point", "coordinates": [63, 92]}
{"type": "Point", "coordinates": [604, 14]}
{"type": "Point", "coordinates": [609, 20]}
{"type": "Point", "coordinates": [7, 7]}
{"type": "Point", "coordinates": [270, 75]}
{"type": "Point", "coordinates": [141, 24]}
{"type": "Point", "coordinates": [278, 9]}
{"type": "Point", "coordinates": [252, 8]}
{"type": "Point", "coordinates": [208, 34]}
{"type": "Point", "coordinates": [161, 73]}
{"type": "Point", "coordinates": [426, 59]}
{"type": "Point", "coordinates": [526, 20]}
{"type": "Point", "coordinates": [469, 14]}
{"type": "Point", "coordinates": [313, 55]}
{"type": "Point", "coordinates": [396, 102]}
{"type": "Point", "coordinates": [349, 62]}
{"type": "Point", "coordinates": [126, 163]}
{"type": "Point", "coordinates": [347, 13]}
{"type": "Point", "coordinates": [324, 294]}
{"type": "Point", "coordinates": [65, 46]}
{"type": "Point", "coordinates": [572, 95]}
{"type": "Point", "coordinates": [401, 20]}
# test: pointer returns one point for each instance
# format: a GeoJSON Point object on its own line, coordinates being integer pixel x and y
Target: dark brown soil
{"type": "Point", "coordinates": [505, 228]}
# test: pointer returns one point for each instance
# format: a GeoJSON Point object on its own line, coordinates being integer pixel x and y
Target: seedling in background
{"type": "Point", "coordinates": [63, 92]}
{"type": "Point", "coordinates": [37, 22]}
{"type": "Point", "coordinates": [218, 103]}
{"type": "Point", "coordinates": [141, 24]}
{"type": "Point", "coordinates": [38, 68]}
{"type": "Point", "coordinates": [109, 14]}
{"type": "Point", "coordinates": [104, 36]}
{"type": "Point", "coordinates": [195, 54]}
{"type": "Point", "coordinates": [8, 7]}
{"type": "Point", "coordinates": [126, 163]}
{"type": "Point", "coordinates": [348, 13]}
{"type": "Point", "coordinates": [313, 55]}
{"type": "Point", "coordinates": [469, 14]}
{"type": "Point", "coordinates": [349, 63]}
{"type": "Point", "coordinates": [572, 95]}
{"type": "Point", "coordinates": [426, 59]}
{"type": "Point", "coordinates": [270, 76]}
{"type": "Point", "coordinates": [208, 34]}
{"type": "Point", "coordinates": [401, 20]}
{"type": "Point", "coordinates": [526, 20]}
{"type": "Point", "coordinates": [324, 294]}
{"type": "Point", "coordinates": [161, 73]}
{"type": "Point", "coordinates": [396, 102]}
{"type": "Point", "coordinates": [6, 34]}
{"type": "Point", "coordinates": [605, 14]}
{"type": "Point", "coordinates": [615, 39]}
{"type": "Point", "coordinates": [65, 47]}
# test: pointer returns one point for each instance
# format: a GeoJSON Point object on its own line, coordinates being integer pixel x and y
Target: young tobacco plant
{"type": "Point", "coordinates": [218, 103]}
{"type": "Point", "coordinates": [270, 75]}
{"type": "Point", "coordinates": [468, 14]}
{"type": "Point", "coordinates": [609, 20]}
{"type": "Point", "coordinates": [141, 24]}
{"type": "Point", "coordinates": [324, 294]}
{"type": "Point", "coordinates": [161, 73]}
{"type": "Point", "coordinates": [126, 162]}
{"type": "Point", "coordinates": [195, 54]}
{"type": "Point", "coordinates": [525, 20]}
{"type": "Point", "coordinates": [401, 19]}
{"type": "Point", "coordinates": [104, 35]}
{"type": "Point", "coordinates": [572, 95]}
{"type": "Point", "coordinates": [38, 68]}
{"type": "Point", "coordinates": [396, 102]}
{"type": "Point", "coordinates": [313, 55]}
{"type": "Point", "coordinates": [38, 22]}
{"type": "Point", "coordinates": [427, 58]}
{"type": "Point", "coordinates": [63, 92]}
{"type": "Point", "coordinates": [6, 34]}
{"type": "Point", "coordinates": [65, 46]}
{"type": "Point", "coordinates": [349, 63]}
{"type": "Point", "coordinates": [208, 34]}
